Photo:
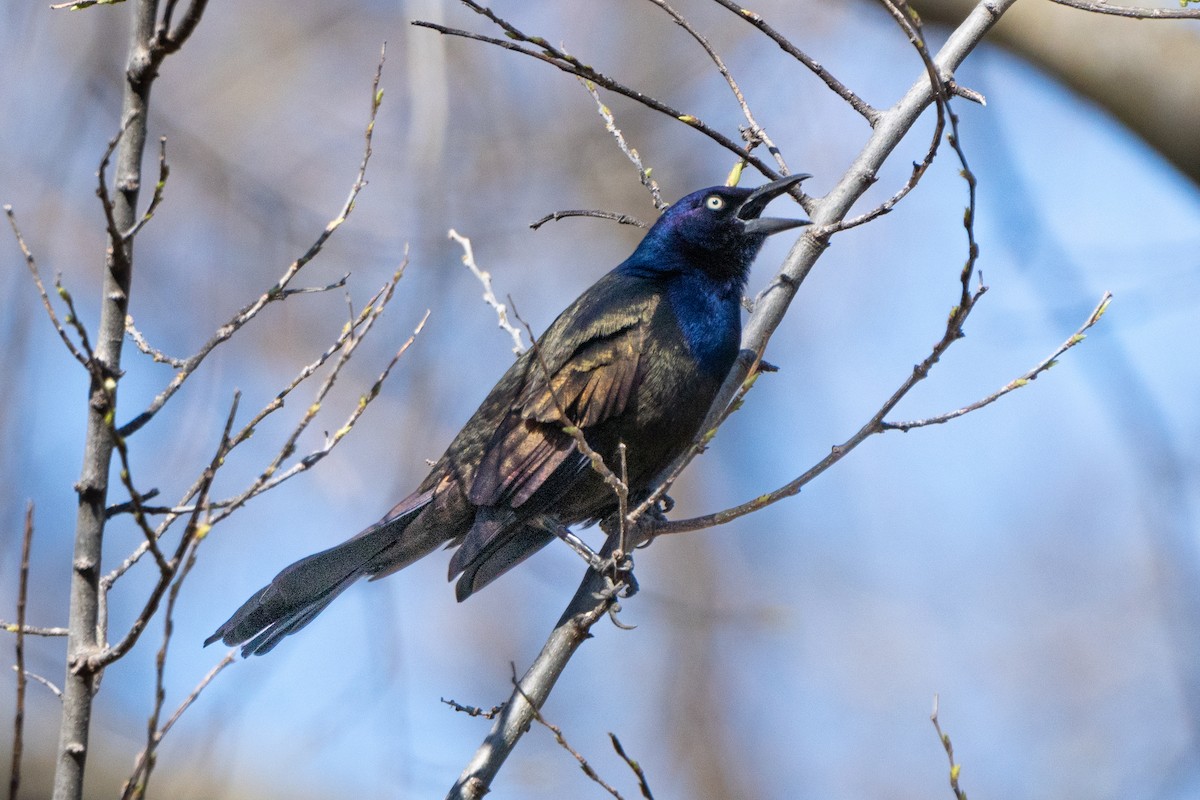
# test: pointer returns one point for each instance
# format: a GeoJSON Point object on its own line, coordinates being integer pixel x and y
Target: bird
{"type": "Point", "coordinates": [636, 360]}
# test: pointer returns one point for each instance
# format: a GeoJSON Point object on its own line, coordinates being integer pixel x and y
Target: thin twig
{"type": "Point", "coordinates": [643, 784]}
{"type": "Point", "coordinates": [280, 289]}
{"type": "Point", "coordinates": [168, 569]}
{"type": "Point", "coordinates": [271, 476]}
{"type": "Point", "coordinates": [31, 630]}
{"type": "Point", "coordinates": [856, 102]}
{"type": "Point", "coordinates": [610, 125]}
{"type": "Point", "coordinates": [14, 779]}
{"type": "Point", "coordinates": [754, 133]}
{"type": "Point", "coordinates": [344, 346]}
{"type": "Point", "coordinates": [164, 171]}
{"type": "Point", "coordinates": [135, 785]}
{"type": "Point", "coordinates": [565, 62]}
{"type": "Point", "coordinates": [910, 23]}
{"type": "Point", "coordinates": [473, 711]}
{"type": "Point", "coordinates": [562, 742]}
{"type": "Point", "coordinates": [489, 297]}
{"type": "Point", "coordinates": [621, 219]}
{"type": "Point", "coordinates": [31, 263]}
{"type": "Point", "coordinates": [33, 676]}
{"type": "Point", "coordinates": [955, 768]}
{"type": "Point", "coordinates": [1136, 12]}
{"type": "Point", "coordinates": [1012, 385]}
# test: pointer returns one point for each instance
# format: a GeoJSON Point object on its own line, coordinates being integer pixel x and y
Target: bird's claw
{"type": "Point", "coordinates": [611, 591]}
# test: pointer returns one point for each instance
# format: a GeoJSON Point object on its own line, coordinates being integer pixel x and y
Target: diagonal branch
{"type": "Point", "coordinates": [856, 102]}
{"type": "Point", "coordinates": [755, 133]}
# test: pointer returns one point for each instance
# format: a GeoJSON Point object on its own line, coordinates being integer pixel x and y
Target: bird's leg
{"type": "Point", "coordinates": [589, 555]}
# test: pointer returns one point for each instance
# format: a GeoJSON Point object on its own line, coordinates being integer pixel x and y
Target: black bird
{"type": "Point", "coordinates": [638, 358]}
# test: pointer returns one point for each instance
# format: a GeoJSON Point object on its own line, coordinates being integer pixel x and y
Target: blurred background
{"type": "Point", "coordinates": [1035, 563]}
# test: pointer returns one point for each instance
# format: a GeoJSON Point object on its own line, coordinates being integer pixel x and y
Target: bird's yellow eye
{"type": "Point", "coordinates": [714, 202]}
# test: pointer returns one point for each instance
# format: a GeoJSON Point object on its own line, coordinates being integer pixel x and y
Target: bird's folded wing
{"type": "Point", "coordinates": [530, 446]}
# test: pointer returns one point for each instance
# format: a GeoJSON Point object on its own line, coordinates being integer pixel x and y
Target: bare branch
{"type": "Point", "coordinates": [1135, 12]}
{"type": "Point", "coordinates": [135, 785]}
{"type": "Point", "coordinates": [280, 289]}
{"type": "Point", "coordinates": [610, 125]}
{"type": "Point", "coordinates": [31, 630]}
{"type": "Point", "coordinates": [271, 476]}
{"type": "Point", "coordinates": [565, 62]}
{"type": "Point", "coordinates": [472, 711]}
{"type": "Point", "coordinates": [621, 219]}
{"type": "Point", "coordinates": [14, 779]}
{"type": "Point", "coordinates": [755, 133]}
{"type": "Point", "coordinates": [562, 742]}
{"type": "Point", "coordinates": [168, 569]}
{"type": "Point", "coordinates": [78, 354]}
{"type": "Point", "coordinates": [856, 102]}
{"type": "Point", "coordinates": [910, 23]}
{"type": "Point", "coordinates": [489, 297]}
{"type": "Point", "coordinates": [164, 170]}
{"type": "Point", "coordinates": [643, 784]}
{"type": "Point", "coordinates": [1012, 385]}
{"type": "Point", "coordinates": [955, 768]}
{"type": "Point", "coordinates": [140, 342]}
{"type": "Point", "coordinates": [33, 676]}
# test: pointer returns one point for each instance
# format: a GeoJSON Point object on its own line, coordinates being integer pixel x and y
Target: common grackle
{"type": "Point", "coordinates": [638, 358]}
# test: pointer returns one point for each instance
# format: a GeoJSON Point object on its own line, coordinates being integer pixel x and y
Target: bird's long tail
{"type": "Point", "coordinates": [304, 589]}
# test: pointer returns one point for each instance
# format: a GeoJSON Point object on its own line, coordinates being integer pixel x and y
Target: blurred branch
{"type": "Point", "coordinates": [955, 768]}
{"type": "Point", "coordinates": [1135, 12]}
{"type": "Point", "coordinates": [14, 775]}
{"type": "Point", "coordinates": [489, 297]}
{"type": "Point", "coordinates": [280, 290]}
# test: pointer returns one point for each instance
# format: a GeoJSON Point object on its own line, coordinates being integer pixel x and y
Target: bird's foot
{"type": "Point", "coordinates": [618, 574]}
{"type": "Point", "coordinates": [613, 589]}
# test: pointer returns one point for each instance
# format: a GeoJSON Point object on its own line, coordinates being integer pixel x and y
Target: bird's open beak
{"type": "Point", "coordinates": [757, 201]}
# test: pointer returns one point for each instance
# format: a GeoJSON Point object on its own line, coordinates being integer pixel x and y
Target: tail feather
{"type": "Point", "coordinates": [502, 548]}
{"type": "Point", "coordinates": [301, 591]}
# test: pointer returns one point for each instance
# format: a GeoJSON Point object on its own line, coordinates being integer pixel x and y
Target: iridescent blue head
{"type": "Point", "coordinates": [718, 231]}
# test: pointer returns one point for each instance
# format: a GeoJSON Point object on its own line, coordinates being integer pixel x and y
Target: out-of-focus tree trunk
{"type": "Point", "coordinates": [1147, 73]}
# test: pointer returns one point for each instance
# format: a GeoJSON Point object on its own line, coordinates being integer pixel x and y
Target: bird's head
{"type": "Point", "coordinates": [718, 230]}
